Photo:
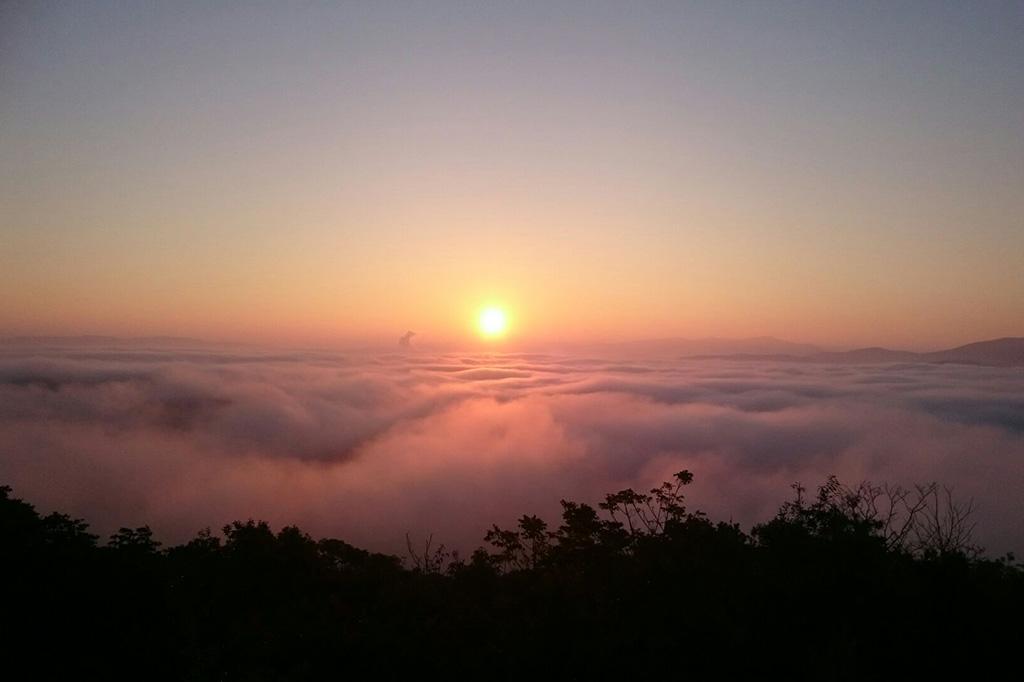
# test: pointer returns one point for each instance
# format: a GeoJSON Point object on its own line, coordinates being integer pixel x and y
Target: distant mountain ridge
{"type": "Point", "coordinates": [1008, 351]}
{"type": "Point", "coordinates": [758, 345]}
{"type": "Point", "coordinates": [98, 340]}
{"type": "Point", "coordinates": [1004, 352]}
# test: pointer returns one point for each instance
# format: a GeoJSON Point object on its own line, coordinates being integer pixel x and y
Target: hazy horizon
{"type": "Point", "coordinates": [676, 345]}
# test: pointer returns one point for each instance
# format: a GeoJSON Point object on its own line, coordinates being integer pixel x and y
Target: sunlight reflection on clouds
{"type": "Point", "coordinates": [367, 447]}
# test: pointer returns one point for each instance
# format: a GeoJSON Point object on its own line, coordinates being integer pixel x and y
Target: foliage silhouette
{"type": "Point", "coordinates": [862, 582]}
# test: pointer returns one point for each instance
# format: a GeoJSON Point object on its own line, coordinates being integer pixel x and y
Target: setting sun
{"type": "Point", "coordinates": [492, 322]}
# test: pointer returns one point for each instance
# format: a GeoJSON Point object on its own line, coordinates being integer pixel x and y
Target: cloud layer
{"type": "Point", "coordinates": [369, 447]}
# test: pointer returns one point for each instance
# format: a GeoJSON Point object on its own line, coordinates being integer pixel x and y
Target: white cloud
{"type": "Point", "coordinates": [369, 447]}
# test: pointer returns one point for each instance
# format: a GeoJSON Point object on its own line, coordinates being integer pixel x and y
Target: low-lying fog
{"type": "Point", "coordinates": [369, 447]}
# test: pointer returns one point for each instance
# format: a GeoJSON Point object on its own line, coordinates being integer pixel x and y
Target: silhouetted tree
{"type": "Point", "coordinates": [861, 582]}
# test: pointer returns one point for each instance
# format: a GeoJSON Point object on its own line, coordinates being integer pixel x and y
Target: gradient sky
{"type": "Point", "coordinates": [840, 173]}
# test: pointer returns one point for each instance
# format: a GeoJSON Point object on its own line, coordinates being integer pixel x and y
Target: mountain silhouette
{"type": "Point", "coordinates": [1005, 352]}
{"type": "Point", "coordinates": [675, 347]}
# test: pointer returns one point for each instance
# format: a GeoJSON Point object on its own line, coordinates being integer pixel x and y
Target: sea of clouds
{"type": "Point", "coordinates": [368, 447]}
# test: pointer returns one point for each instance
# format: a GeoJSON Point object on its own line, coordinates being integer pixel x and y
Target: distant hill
{"type": "Point", "coordinates": [1006, 352]}
{"type": "Point", "coordinates": [756, 345]}
{"type": "Point", "coordinates": [871, 355]}
{"type": "Point", "coordinates": [96, 340]}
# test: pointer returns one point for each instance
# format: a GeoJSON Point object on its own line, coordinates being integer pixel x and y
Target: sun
{"type": "Point", "coordinates": [492, 322]}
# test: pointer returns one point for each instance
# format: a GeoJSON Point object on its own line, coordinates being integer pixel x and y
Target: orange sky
{"type": "Point", "coordinates": [345, 174]}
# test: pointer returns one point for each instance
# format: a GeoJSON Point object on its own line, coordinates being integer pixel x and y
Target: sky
{"type": "Point", "coordinates": [837, 173]}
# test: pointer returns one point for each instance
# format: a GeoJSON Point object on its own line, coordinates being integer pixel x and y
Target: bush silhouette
{"type": "Point", "coordinates": [853, 583]}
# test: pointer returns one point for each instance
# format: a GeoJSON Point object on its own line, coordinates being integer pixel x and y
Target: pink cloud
{"type": "Point", "coordinates": [368, 449]}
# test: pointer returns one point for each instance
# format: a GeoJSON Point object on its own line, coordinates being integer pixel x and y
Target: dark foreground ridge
{"type": "Point", "coordinates": [852, 584]}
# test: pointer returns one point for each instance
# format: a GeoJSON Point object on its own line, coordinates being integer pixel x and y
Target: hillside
{"type": "Point", "coordinates": [1006, 352]}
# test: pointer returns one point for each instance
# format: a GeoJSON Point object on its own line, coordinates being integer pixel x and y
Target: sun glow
{"type": "Point", "coordinates": [492, 322]}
